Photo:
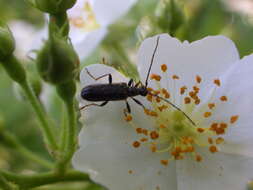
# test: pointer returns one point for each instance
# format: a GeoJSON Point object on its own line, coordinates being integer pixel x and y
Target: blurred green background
{"type": "Point", "coordinates": [191, 20]}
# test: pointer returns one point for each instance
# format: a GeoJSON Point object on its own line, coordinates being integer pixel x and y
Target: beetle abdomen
{"type": "Point", "coordinates": [105, 92]}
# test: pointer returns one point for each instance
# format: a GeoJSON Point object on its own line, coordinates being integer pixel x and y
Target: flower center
{"type": "Point", "coordinates": [175, 131]}
{"type": "Point", "coordinates": [86, 19]}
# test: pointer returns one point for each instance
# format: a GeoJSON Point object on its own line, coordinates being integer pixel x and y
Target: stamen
{"type": "Point", "coordinates": [233, 119]}
{"type": "Point", "coordinates": [207, 114]}
{"type": "Point", "coordinates": [198, 79]}
{"type": "Point", "coordinates": [164, 67]}
{"type": "Point", "coordinates": [187, 100]}
{"type": "Point", "coordinates": [128, 118]}
{"type": "Point", "coordinates": [136, 144]}
{"type": "Point", "coordinates": [154, 135]}
{"type": "Point", "coordinates": [155, 77]}
{"type": "Point", "coordinates": [183, 89]}
{"type": "Point", "coordinates": [223, 98]}
{"type": "Point", "coordinates": [211, 106]}
{"type": "Point", "coordinates": [213, 149]}
{"type": "Point", "coordinates": [164, 162]}
{"type": "Point", "coordinates": [175, 77]}
{"type": "Point", "coordinates": [217, 82]}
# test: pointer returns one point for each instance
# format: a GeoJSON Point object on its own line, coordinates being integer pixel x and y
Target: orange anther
{"type": "Point", "coordinates": [158, 99]}
{"type": "Point", "coordinates": [224, 98]}
{"type": "Point", "coordinates": [150, 89]}
{"type": "Point", "coordinates": [207, 114]}
{"type": "Point", "coordinates": [143, 139]}
{"type": "Point", "coordinates": [149, 97]}
{"type": "Point", "coordinates": [146, 111]}
{"type": "Point", "coordinates": [192, 94]}
{"type": "Point", "coordinates": [162, 126]}
{"type": "Point", "coordinates": [219, 140]}
{"type": "Point", "coordinates": [211, 105]}
{"type": "Point", "coordinates": [152, 113]}
{"type": "Point", "coordinates": [187, 100]}
{"type": "Point", "coordinates": [153, 148]}
{"type": "Point", "coordinates": [196, 89]}
{"type": "Point", "coordinates": [164, 67]}
{"type": "Point", "coordinates": [162, 107]}
{"type": "Point", "coordinates": [198, 79]}
{"type": "Point", "coordinates": [190, 149]}
{"type": "Point", "coordinates": [138, 130]}
{"type": "Point", "coordinates": [213, 149]}
{"type": "Point", "coordinates": [234, 118]}
{"type": "Point", "coordinates": [175, 77]}
{"type": "Point", "coordinates": [145, 132]}
{"type": "Point", "coordinates": [214, 126]}
{"type": "Point", "coordinates": [223, 125]}
{"type": "Point", "coordinates": [155, 77]}
{"type": "Point", "coordinates": [200, 130]}
{"type": "Point", "coordinates": [154, 135]}
{"type": "Point", "coordinates": [183, 89]}
{"type": "Point", "coordinates": [197, 101]}
{"type": "Point", "coordinates": [198, 158]}
{"type": "Point", "coordinates": [165, 93]}
{"type": "Point", "coordinates": [136, 144]}
{"type": "Point", "coordinates": [217, 82]}
{"type": "Point", "coordinates": [128, 118]}
{"type": "Point", "coordinates": [210, 140]}
{"type": "Point", "coordinates": [164, 162]}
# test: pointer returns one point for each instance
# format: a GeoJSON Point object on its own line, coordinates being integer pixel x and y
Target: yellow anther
{"type": "Point", "coordinates": [198, 79]}
{"type": "Point", "coordinates": [164, 67]}
{"type": "Point", "coordinates": [163, 107]}
{"type": "Point", "coordinates": [155, 77]}
{"type": "Point", "coordinates": [207, 114]}
{"type": "Point", "coordinates": [162, 126]}
{"type": "Point", "coordinates": [153, 113]}
{"type": "Point", "coordinates": [217, 82]}
{"type": "Point", "coordinates": [149, 97]}
{"type": "Point", "coordinates": [234, 118]}
{"type": "Point", "coordinates": [223, 98]}
{"type": "Point", "coordinates": [153, 148]}
{"type": "Point", "coordinates": [143, 139]}
{"type": "Point", "coordinates": [145, 132]}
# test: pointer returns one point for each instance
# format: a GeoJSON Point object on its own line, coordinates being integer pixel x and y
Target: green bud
{"type": "Point", "coordinates": [14, 69]}
{"type": "Point", "coordinates": [7, 42]}
{"type": "Point", "coordinates": [53, 6]}
{"type": "Point", "coordinates": [67, 91]}
{"type": "Point", "coordinates": [171, 17]}
{"type": "Point", "coordinates": [57, 62]}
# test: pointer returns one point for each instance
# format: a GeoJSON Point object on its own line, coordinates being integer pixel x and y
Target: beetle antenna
{"type": "Point", "coordinates": [152, 60]}
{"type": "Point", "coordinates": [174, 106]}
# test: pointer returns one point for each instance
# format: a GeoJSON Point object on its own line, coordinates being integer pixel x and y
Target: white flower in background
{"type": "Point", "coordinates": [89, 20]}
{"type": "Point", "coordinates": [160, 149]}
{"type": "Point", "coordinates": [27, 38]}
{"type": "Point", "coordinates": [241, 6]}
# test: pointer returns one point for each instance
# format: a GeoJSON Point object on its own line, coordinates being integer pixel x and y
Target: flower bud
{"type": "Point", "coordinates": [57, 62]}
{"type": "Point", "coordinates": [67, 91]}
{"type": "Point", "coordinates": [53, 6]}
{"type": "Point", "coordinates": [7, 43]}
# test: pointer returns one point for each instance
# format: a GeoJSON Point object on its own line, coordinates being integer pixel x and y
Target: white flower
{"type": "Point", "coordinates": [27, 38]}
{"type": "Point", "coordinates": [160, 149]}
{"type": "Point", "coordinates": [89, 20]}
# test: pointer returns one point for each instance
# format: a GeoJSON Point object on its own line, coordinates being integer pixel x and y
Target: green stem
{"type": "Point", "coordinates": [64, 131]}
{"type": "Point", "coordinates": [36, 180]}
{"type": "Point", "coordinates": [70, 134]}
{"type": "Point", "coordinates": [46, 128]}
{"type": "Point", "coordinates": [12, 141]}
{"type": "Point", "coordinates": [4, 184]}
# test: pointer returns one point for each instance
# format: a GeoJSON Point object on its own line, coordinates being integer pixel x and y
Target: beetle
{"type": "Point", "coordinates": [121, 91]}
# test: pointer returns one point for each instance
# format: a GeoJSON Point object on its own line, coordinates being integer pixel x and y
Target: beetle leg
{"type": "Point", "coordinates": [127, 110]}
{"type": "Point", "coordinates": [109, 76]}
{"type": "Point", "coordinates": [137, 84]}
{"type": "Point", "coordinates": [93, 104]}
{"type": "Point", "coordinates": [130, 83]}
{"type": "Point", "coordinates": [139, 103]}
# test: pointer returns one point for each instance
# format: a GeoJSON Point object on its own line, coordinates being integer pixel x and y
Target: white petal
{"type": "Point", "coordinates": [109, 11]}
{"type": "Point", "coordinates": [85, 42]}
{"type": "Point", "coordinates": [216, 171]}
{"type": "Point", "coordinates": [237, 85]}
{"type": "Point", "coordinates": [110, 163]}
{"type": "Point", "coordinates": [208, 57]}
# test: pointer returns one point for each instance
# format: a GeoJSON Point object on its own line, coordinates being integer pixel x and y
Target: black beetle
{"type": "Point", "coordinates": [121, 91]}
